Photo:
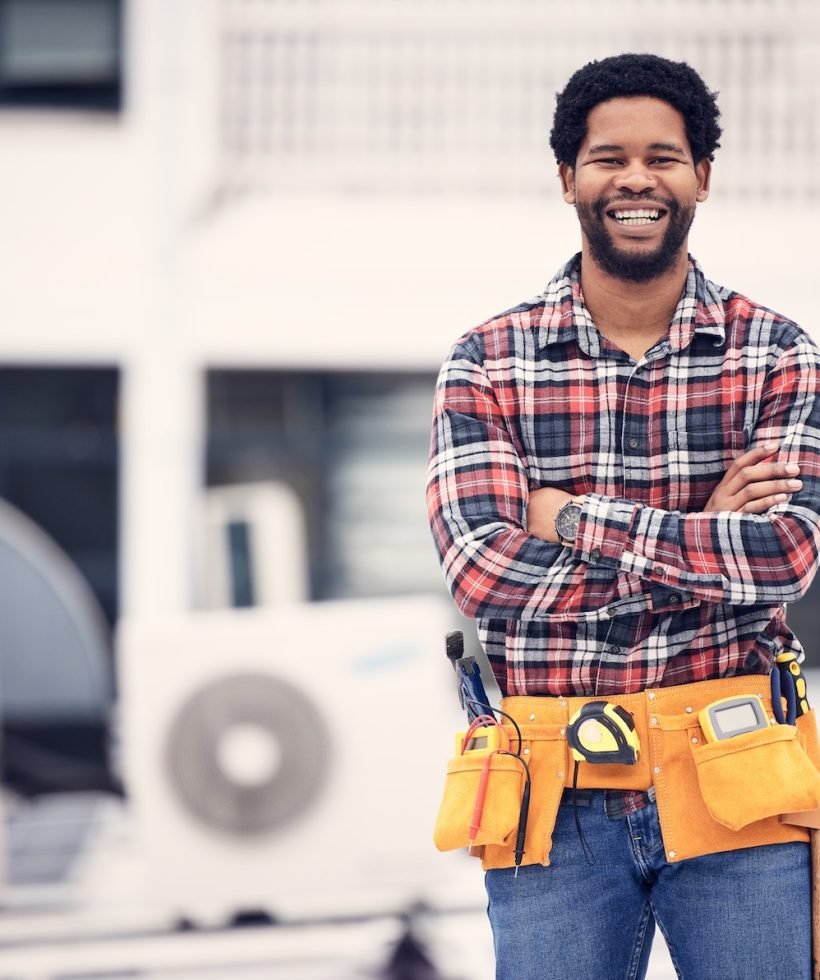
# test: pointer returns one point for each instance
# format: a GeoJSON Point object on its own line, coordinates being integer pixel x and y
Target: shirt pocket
{"type": "Point", "coordinates": [698, 460]}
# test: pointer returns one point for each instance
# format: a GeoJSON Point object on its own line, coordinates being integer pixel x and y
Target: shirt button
{"type": "Point", "coordinates": [633, 443]}
{"type": "Point", "coordinates": [595, 554]}
{"type": "Point", "coordinates": [613, 650]}
{"type": "Point", "coordinates": [674, 599]}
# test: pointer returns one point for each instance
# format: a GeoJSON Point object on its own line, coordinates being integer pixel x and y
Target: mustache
{"type": "Point", "coordinates": [668, 203]}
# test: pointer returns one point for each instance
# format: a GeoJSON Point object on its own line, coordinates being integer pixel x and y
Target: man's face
{"type": "Point", "coordinates": [635, 187]}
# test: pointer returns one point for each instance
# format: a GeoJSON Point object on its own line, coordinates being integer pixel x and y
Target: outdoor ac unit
{"type": "Point", "coordinates": [291, 761]}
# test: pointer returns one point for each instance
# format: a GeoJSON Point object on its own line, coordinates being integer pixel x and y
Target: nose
{"type": "Point", "coordinates": [635, 178]}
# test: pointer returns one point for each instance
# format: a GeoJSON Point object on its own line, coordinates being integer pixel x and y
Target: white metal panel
{"type": "Point", "coordinates": [376, 673]}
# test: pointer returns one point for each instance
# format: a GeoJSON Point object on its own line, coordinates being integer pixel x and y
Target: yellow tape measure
{"type": "Point", "coordinates": [602, 732]}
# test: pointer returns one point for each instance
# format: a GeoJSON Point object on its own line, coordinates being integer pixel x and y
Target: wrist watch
{"type": "Point", "coordinates": [567, 520]}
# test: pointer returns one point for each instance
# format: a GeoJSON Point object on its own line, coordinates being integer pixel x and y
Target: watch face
{"type": "Point", "coordinates": [567, 521]}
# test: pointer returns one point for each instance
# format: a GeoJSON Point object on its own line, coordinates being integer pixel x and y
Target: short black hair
{"type": "Point", "coordinates": [674, 82]}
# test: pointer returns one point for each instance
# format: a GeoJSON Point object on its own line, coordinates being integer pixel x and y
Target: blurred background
{"type": "Point", "coordinates": [238, 239]}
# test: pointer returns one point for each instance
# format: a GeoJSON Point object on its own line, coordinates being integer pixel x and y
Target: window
{"type": "Point", "coordinates": [353, 447]}
{"type": "Point", "coordinates": [61, 54]}
{"type": "Point", "coordinates": [59, 463]}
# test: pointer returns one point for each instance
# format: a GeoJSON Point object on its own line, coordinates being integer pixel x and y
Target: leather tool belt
{"type": "Point", "coordinates": [711, 796]}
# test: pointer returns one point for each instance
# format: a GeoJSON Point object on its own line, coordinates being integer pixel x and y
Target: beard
{"type": "Point", "coordinates": [634, 265]}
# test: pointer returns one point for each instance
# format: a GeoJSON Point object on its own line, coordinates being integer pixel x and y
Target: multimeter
{"type": "Point", "coordinates": [732, 716]}
{"type": "Point", "coordinates": [483, 741]}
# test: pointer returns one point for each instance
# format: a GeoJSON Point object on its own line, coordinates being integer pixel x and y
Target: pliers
{"type": "Point", "coordinates": [783, 687]}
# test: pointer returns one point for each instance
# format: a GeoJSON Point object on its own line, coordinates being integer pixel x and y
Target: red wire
{"type": "Point", "coordinates": [478, 807]}
{"type": "Point", "coordinates": [483, 721]}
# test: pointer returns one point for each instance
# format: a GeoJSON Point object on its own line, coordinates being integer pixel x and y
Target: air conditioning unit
{"type": "Point", "coordinates": [291, 761]}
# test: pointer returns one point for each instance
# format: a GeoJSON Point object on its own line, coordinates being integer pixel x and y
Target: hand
{"type": "Point", "coordinates": [542, 510]}
{"type": "Point", "coordinates": [752, 486]}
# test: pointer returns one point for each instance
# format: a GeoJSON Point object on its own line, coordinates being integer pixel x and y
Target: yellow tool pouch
{"type": "Point", "coordinates": [499, 818]}
{"type": "Point", "coordinates": [711, 796]}
{"type": "Point", "coordinates": [710, 799]}
{"type": "Point", "coordinates": [757, 775]}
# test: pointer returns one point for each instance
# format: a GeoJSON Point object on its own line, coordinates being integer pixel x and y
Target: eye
{"type": "Point", "coordinates": [661, 161]}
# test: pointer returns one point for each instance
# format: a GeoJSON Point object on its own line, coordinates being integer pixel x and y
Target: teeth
{"type": "Point", "coordinates": [637, 217]}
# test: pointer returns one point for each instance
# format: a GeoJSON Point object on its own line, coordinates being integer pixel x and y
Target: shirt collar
{"type": "Point", "coordinates": [565, 317]}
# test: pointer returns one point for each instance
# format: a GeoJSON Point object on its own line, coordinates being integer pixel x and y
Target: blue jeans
{"type": "Point", "coordinates": [739, 915]}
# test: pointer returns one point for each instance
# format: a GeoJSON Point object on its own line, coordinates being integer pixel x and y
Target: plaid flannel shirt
{"type": "Point", "coordinates": [654, 592]}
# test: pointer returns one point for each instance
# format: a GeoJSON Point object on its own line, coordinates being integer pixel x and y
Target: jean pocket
{"type": "Point", "coordinates": [756, 775]}
{"type": "Point", "coordinates": [458, 823]}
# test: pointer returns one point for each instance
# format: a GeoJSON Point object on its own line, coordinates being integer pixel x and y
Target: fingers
{"type": "Point", "coordinates": [740, 474]}
{"type": "Point", "coordinates": [766, 488]}
{"type": "Point", "coordinates": [762, 504]}
{"type": "Point", "coordinates": [754, 483]}
{"type": "Point", "coordinates": [750, 458]}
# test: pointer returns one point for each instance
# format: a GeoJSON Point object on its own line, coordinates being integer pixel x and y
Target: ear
{"type": "Point", "coordinates": [703, 171]}
{"type": "Point", "coordinates": [567, 176]}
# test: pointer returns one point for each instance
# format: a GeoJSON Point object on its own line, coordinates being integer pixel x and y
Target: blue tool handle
{"type": "Point", "coordinates": [472, 693]}
{"type": "Point", "coordinates": [783, 687]}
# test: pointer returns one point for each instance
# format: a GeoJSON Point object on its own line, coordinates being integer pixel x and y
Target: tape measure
{"type": "Point", "coordinates": [602, 732]}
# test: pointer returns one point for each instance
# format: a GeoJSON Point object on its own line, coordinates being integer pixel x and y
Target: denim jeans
{"type": "Point", "coordinates": [739, 915]}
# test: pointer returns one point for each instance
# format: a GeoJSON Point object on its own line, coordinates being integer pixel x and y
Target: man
{"type": "Point", "coordinates": [624, 491]}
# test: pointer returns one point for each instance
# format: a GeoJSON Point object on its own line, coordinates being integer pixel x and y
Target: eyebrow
{"type": "Point", "coordinates": [615, 148]}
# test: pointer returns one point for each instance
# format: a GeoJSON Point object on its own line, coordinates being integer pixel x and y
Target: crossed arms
{"type": "Point", "coordinates": [756, 541]}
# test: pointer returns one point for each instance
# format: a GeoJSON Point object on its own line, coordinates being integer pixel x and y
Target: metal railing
{"type": "Point", "coordinates": [449, 96]}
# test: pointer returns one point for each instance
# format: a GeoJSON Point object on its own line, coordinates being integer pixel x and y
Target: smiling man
{"type": "Point", "coordinates": [624, 491]}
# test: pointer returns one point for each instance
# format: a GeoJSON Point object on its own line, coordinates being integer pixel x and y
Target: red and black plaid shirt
{"type": "Point", "coordinates": [655, 592]}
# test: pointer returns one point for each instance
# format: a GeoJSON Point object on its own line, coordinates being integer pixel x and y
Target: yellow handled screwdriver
{"type": "Point", "coordinates": [787, 661]}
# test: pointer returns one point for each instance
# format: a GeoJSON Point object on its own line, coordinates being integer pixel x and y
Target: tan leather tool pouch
{"type": "Point", "coordinates": [502, 802]}
{"type": "Point", "coordinates": [545, 749]}
{"type": "Point", "coordinates": [757, 775]}
{"type": "Point", "coordinates": [711, 797]}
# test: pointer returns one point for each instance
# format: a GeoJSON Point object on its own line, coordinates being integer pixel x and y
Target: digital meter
{"type": "Point", "coordinates": [483, 741]}
{"type": "Point", "coordinates": [732, 716]}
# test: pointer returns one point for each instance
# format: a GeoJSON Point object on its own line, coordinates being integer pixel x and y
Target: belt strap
{"type": "Point", "coordinates": [543, 718]}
